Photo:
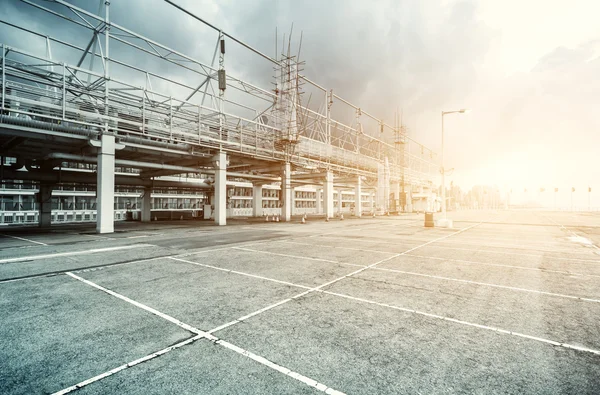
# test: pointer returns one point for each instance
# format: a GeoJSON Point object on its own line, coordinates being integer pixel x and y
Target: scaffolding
{"type": "Point", "coordinates": [203, 110]}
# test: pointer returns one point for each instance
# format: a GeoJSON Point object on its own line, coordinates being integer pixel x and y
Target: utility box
{"type": "Point", "coordinates": [429, 220]}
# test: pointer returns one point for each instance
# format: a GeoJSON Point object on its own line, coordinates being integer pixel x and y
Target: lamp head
{"type": "Point", "coordinates": [464, 111]}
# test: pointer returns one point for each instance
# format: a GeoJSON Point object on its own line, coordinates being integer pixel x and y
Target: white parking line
{"type": "Point", "coordinates": [430, 315]}
{"type": "Point", "coordinates": [337, 247]}
{"type": "Point", "coordinates": [237, 272]}
{"type": "Point", "coordinates": [200, 335]}
{"type": "Point", "coordinates": [463, 261]}
{"type": "Point", "coordinates": [73, 253]}
{"type": "Point", "coordinates": [461, 322]}
{"type": "Point", "coordinates": [488, 284]}
{"type": "Point", "coordinates": [297, 256]}
{"type": "Point", "coordinates": [476, 250]}
{"type": "Point", "coordinates": [24, 239]}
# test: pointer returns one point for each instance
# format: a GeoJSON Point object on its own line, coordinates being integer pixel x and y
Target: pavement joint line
{"type": "Point", "coordinates": [467, 323]}
{"type": "Point", "coordinates": [298, 257]}
{"type": "Point", "coordinates": [490, 285]}
{"type": "Point", "coordinates": [200, 335]}
{"type": "Point", "coordinates": [23, 239]}
{"type": "Point", "coordinates": [501, 265]}
{"type": "Point", "coordinates": [73, 253]}
{"type": "Point", "coordinates": [238, 272]}
{"type": "Point", "coordinates": [487, 251]}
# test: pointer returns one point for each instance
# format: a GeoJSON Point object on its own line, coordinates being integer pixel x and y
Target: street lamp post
{"type": "Point", "coordinates": [461, 111]}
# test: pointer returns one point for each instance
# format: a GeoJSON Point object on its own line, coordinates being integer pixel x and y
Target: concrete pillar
{"type": "Point", "coordinates": [45, 205]}
{"type": "Point", "coordinates": [319, 201]}
{"type": "Point", "coordinates": [220, 200]}
{"type": "Point", "coordinates": [105, 219]}
{"type": "Point", "coordinates": [147, 205]}
{"type": "Point", "coordinates": [409, 205]}
{"type": "Point", "coordinates": [328, 195]}
{"type": "Point", "coordinates": [396, 191]}
{"type": "Point", "coordinates": [358, 197]}
{"type": "Point", "coordinates": [257, 208]}
{"type": "Point", "coordinates": [339, 199]}
{"type": "Point", "coordinates": [286, 192]}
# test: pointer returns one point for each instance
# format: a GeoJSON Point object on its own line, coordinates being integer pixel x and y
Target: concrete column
{"type": "Point", "coordinates": [105, 219]}
{"type": "Point", "coordinates": [220, 200]}
{"type": "Point", "coordinates": [328, 195]}
{"type": "Point", "coordinates": [257, 208]}
{"type": "Point", "coordinates": [45, 205]}
{"type": "Point", "coordinates": [286, 192]}
{"type": "Point", "coordinates": [409, 205]}
{"type": "Point", "coordinates": [339, 199]}
{"type": "Point", "coordinates": [147, 205]}
{"type": "Point", "coordinates": [358, 197]}
{"type": "Point", "coordinates": [319, 201]}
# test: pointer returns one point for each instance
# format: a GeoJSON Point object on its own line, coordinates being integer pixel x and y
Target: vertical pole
{"type": "Point", "coordinates": [443, 174]}
{"type": "Point", "coordinates": [220, 201]}
{"type": "Point", "coordinates": [143, 129]}
{"type": "Point", "coordinates": [286, 192]}
{"type": "Point", "coordinates": [328, 195]}
{"type": "Point", "coordinates": [3, 75]}
{"type": "Point", "coordinates": [106, 62]}
{"type": "Point", "coordinates": [221, 92]}
{"type": "Point", "coordinates": [171, 117]}
{"type": "Point", "coordinates": [358, 197]}
{"type": "Point", "coordinates": [329, 97]}
{"type": "Point", "coordinates": [64, 92]}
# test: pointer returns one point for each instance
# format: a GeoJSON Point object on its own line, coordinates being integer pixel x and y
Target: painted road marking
{"type": "Point", "coordinates": [476, 250]}
{"type": "Point", "coordinates": [430, 315]}
{"type": "Point", "coordinates": [24, 239]}
{"type": "Point", "coordinates": [489, 285]}
{"type": "Point", "coordinates": [461, 322]}
{"type": "Point", "coordinates": [200, 335]}
{"type": "Point", "coordinates": [463, 261]}
{"type": "Point", "coordinates": [73, 253]}
{"type": "Point", "coordinates": [297, 257]}
{"type": "Point", "coordinates": [238, 272]}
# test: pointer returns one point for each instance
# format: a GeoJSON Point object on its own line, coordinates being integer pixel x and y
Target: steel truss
{"type": "Point", "coordinates": [52, 94]}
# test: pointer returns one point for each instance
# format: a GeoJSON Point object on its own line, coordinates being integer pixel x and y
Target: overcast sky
{"type": "Point", "coordinates": [529, 70]}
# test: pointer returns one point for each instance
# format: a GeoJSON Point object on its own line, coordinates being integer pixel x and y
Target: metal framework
{"type": "Point", "coordinates": [217, 112]}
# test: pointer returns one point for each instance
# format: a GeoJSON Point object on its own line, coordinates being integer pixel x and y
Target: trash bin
{"type": "Point", "coordinates": [429, 220]}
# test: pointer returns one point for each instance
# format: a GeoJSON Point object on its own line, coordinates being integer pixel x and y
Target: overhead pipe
{"type": "Point", "coordinates": [158, 166]}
